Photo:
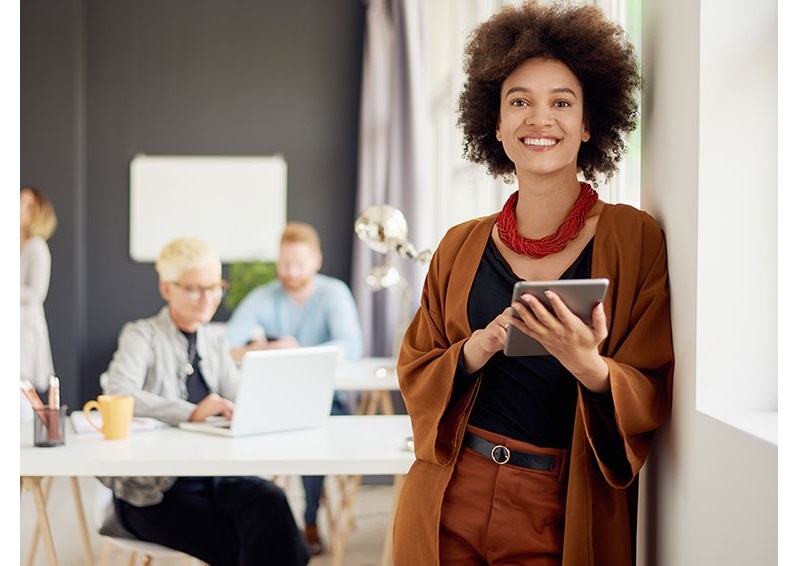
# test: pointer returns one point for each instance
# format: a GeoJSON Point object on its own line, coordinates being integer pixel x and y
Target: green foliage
{"type": "Point", "coordinates": [244, 276]}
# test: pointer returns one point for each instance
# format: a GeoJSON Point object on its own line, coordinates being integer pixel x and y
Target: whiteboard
{"type": "Point", "coordinates": [235, 204]}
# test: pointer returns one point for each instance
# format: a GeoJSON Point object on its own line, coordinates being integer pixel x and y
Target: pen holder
{"type": "Point", "coordinates": [48, 426]}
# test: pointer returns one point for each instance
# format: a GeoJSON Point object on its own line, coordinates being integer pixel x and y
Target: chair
{"type": "Point", "coordinates": [114, 535]}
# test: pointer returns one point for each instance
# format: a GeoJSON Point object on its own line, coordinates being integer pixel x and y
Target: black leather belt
{"type": "Point", "coordinates": [502, 455]}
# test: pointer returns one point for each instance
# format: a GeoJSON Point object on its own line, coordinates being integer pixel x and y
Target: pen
{"type": "Point", "coordinates": [54, 395]}
{"type": "Point", "coordinates": [53, 401]}
{"type": "Point", "coordinates": [33, 398]}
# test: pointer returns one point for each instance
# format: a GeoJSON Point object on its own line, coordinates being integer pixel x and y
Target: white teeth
{"type": "Point", "coordinates": [539, 141]}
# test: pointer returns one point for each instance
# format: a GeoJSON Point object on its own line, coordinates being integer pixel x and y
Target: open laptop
{"type": "Point", "coordinates": [285, 389]}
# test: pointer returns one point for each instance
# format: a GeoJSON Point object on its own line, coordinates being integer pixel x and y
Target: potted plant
{"type": "Point", "coordinates": [244, 276]}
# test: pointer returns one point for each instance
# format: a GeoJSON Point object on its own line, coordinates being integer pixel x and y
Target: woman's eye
{"type": "Point", "coordinates": [518, 102]}
{"type": "Point", "coordinates": [562, 104]}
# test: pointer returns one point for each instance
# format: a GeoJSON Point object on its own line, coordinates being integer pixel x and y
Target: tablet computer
{"type": "Point", "coordinates": [579, 295]}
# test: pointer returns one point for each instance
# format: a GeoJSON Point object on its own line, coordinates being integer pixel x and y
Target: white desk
{"type": "Point", "coordinates": [375, 377]}
{"type": "Point", "coordinates": [347, 445]}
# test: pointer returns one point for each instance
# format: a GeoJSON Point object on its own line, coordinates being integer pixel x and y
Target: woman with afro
{"type": "Point", "coordinates": [534, 459]}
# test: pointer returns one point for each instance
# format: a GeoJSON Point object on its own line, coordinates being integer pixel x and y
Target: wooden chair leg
{"type": "Point", "coordinates": [105, 554]}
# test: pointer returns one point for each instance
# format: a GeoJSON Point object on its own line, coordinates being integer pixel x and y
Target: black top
{"type": "Point", "coordinates": [529, 398]}
{"type": "Point", "coordinates": [195, 384]}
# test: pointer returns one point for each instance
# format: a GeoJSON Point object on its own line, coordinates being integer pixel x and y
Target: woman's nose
{"type": "Point", "coordinates": [538, 115]}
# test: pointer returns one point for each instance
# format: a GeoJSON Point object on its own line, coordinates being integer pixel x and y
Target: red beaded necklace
{"type": "Point", "coordinates": [555, 242]}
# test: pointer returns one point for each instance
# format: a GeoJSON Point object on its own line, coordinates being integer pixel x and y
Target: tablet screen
{"type": "Point", "coordinates": [579, 295]}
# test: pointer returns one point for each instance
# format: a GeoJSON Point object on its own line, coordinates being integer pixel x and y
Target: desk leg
{"type": "Point", "coordinates": [34, 485]}
{"type": "Point", "coordinates": [87, 545]}
{"type": "Point", "coordinates": [387, 407]}
{"type": "Point", "coordinates": [386, 556]}
{"type": "Point", "coordinates": [372, 403]}
{"type": "Point", "coordinates": [47, 483]}
{"type": "Point", "coordinates": [332, 508]}
{"type": "Point", "coordinates": [344, 518]}
{"type": "Point", "coordinates": [363, 402]}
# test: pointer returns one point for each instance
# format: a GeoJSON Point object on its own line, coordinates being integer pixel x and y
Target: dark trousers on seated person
{"type": "Point", "coordinates": [223, 521]}
{"type": "Point", "coordinates": [502, 514]}
{"type": "Point", "coordinates": [312, 485]}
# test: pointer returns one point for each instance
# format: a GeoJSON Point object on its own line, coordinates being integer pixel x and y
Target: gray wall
{"type": "Point", "coordinates": [101, 81]}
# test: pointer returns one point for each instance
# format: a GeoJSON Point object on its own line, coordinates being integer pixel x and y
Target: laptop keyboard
{"type": "Point", "coordinates": [220, 422]}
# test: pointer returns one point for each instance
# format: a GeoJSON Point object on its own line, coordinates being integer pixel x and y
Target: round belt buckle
{"type": "Point", "coordinates": [501, 454]}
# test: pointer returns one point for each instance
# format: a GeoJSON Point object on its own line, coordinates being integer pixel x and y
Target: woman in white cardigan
{"type": "Point", "coordinates": [37, 222]}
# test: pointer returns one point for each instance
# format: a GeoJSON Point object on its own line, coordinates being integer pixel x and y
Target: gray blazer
{"type": "Point", "coordinates": [149, 365]}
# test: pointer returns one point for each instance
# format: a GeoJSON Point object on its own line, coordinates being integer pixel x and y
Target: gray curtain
{"type": "Point", "coordinates": [394, 146]}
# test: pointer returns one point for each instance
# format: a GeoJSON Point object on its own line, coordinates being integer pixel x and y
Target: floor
{"type": "Point", "coordinates": [364, 544]}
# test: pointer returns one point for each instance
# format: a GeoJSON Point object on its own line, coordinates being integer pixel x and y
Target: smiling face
{"type": "Point", "coordinates": [541, 124]}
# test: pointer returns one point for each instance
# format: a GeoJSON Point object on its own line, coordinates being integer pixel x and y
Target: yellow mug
{"type": "Point", "coordinates": [116, 412]}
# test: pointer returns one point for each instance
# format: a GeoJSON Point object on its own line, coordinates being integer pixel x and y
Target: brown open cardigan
{"type": "Point", "coordinates": [608, 450]}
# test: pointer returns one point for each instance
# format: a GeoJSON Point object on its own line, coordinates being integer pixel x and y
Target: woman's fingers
{"type": "Point", "coordinates": [533, 312]}
{"type": "Point", "coordinates": [599, 323]}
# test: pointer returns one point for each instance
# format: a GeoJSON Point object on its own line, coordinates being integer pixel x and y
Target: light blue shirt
{"type": "Point", "coordinates": [329, 316]}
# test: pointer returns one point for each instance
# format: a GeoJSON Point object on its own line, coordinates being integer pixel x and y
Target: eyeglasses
{"type": "Point", "coordinates": [196, 292]}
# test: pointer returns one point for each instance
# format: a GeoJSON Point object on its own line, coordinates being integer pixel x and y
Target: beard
{"type": "Point", "coordinates": [296, 284]}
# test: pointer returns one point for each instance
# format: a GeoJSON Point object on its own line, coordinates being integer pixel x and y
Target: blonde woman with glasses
{"type": "Point", "coordinates": [178, 369]}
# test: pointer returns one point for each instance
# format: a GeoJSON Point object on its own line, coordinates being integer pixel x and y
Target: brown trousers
{"type": "Point", "coordinates": [502, 514]}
